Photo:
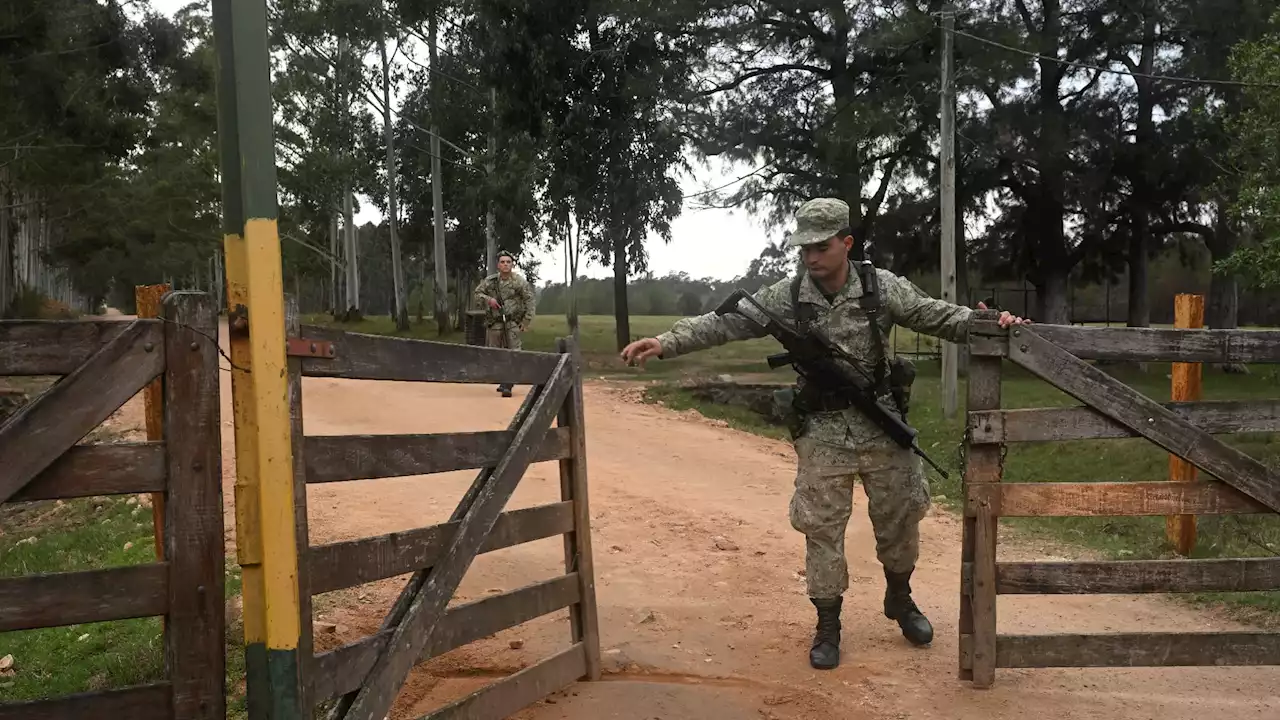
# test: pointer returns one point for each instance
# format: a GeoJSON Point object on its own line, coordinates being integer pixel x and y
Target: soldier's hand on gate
{"type": "Point", "coordinates": [1006, 318]}
{"type": "Point", "coordinates": [641, 350]}
{"type": "Point", "coordinates": [493, 303]}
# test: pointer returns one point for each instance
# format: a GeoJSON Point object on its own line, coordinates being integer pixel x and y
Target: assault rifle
{"type": "Point", "coordinates": [820, 362]}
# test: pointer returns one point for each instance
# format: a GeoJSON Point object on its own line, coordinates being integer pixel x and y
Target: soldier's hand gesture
{"type": "Point", "coordinates": [641, 350]}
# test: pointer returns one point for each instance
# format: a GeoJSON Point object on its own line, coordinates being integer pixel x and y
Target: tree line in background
{"type": "Point", "coordinates": [1099, 144]}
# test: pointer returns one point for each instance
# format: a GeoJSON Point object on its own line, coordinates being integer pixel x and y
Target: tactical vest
{"type": "Point", "coordinates": [900, 371]}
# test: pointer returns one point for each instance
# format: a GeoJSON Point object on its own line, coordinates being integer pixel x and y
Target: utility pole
{"type": "Point", "coordinates": [490, 241]}
{"type": "Point", "coordinates": [947, 218]}
{"type": "Point", "coordinates": [437, 195]}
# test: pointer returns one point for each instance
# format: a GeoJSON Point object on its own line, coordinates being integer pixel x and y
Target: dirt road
{"type": "Point", "coordinates": [703, 608]}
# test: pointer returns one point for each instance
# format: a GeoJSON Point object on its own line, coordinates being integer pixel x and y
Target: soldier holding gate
{"type": "Point", "coordinates": [856, 306]}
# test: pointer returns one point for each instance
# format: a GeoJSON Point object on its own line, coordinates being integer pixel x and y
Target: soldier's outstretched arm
{"type": "Point", "coordinates": [709, 330]}
{"type": "Point", "coordinates": [911, 308]}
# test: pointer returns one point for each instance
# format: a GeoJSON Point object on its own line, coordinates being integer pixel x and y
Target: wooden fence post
{"type": "Point", "coordinates": [147, 300]}
{"type": "Point", "coordinates": [584, 619]}
{"type": "Point", "coordinates": [983, 467]}
{"type": "Point", "coordinates": [195, 627]}
{"type": "Point", "coordinates": [1188, 312]}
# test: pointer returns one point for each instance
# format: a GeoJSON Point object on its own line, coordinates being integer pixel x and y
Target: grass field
{"type": "Point", "coordinates": [1079, 461]}
{"type": "Point", "coordinates": [86, 534]}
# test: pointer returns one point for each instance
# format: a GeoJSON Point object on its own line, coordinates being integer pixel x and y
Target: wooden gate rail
{"type": "Point", "coordinates": [104, 364]}
{"type": "Point", "coordinates": [1112, 410]}
{"type": "Point", "coordinates": [344, 673]}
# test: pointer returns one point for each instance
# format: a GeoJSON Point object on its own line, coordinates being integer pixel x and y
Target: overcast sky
{"type": "Point", "coordinates": [704, 243]}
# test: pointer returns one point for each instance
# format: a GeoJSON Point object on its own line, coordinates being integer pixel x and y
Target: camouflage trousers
{"type": "Point", "coordinates": [897, 500]}
{"type": "Point", "coordinates": [493, 336]}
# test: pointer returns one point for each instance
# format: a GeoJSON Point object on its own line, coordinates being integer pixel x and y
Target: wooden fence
{"type": "Point", "coordinates": [361, 679]}
{"type": "Point", "coordinates": [102, 365]}
{"type": "Point", "coordinates": [1058, 355]}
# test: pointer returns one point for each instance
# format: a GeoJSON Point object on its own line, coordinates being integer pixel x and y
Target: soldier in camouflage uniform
{"type": "Point", "coordinates": [836, 445]}
{"type": "Point", "coordinates": [509, 293]}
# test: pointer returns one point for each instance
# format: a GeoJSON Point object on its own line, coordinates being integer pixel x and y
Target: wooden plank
{"type": "Point", "coordinates": [42, 430]}
{"type": "Point", "coordinates": [584, 619]}
{"type": "Point", "coordinates": [983, 643]}
{"type": "Point", "coordinates": [339, 458]}
{"type": "Point", "coordinates": [302, 536]}
{"type": "Point", "coordinates": [195, 636]}
{"type": "Point", "coordinates": [505, 697]}
{"type": "Point", "coordinates": [341, 671]}
{"type": "Point", "coordinates": [377, 357]}
{"type": "Point", "coordinates": [144, 702]}
{"type": "Point", "coordinates": [53, 347]}
{"type": "Point", "coordinates": [1185, 386]}
{"type": "Point", "coordinates": [1137, 576]}
{"type": "Point", "coordinates": [1116, 499]}
{"type": "Point", "coordinates": [1156, 344]}
{"type": "Point", "coordinates": [1083, 423]}
{"type": "Point", "coordinates": [410, 591]}
{"type": "Point", "coordinates": [983, 466]}
{"type": "Point", "coordinates": [373, 701]}
{"type": "Point", "coordinates": [147, 301]}
{"type": "Point", "coordinates": [1122, 403]}
{"type": "Point", "coordinates": [1138, 650]}
{"type": "Point", "coordinates": [72, 598]}
{"type": "Point", "coordinates": [346, 564]}
{"type": "Point", "coordinates": [99, 469]}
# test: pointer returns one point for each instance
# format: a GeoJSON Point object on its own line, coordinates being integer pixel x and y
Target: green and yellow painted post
{"type": "Point", "coordinates": [265, 541]}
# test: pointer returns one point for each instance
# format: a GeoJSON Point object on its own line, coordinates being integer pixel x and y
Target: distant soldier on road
{"type": "Point", "coordinates": [508, 303]}
{"type": "Point", "coordinates": [834, 442]}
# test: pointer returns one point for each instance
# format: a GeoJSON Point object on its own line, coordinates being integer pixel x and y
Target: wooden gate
{"type": "Point", "coordinates": [361, 679]}
{"type": "Point", "coordinates": [102, 365]}
{"type": "Point", "coordinates": [1057, 354]}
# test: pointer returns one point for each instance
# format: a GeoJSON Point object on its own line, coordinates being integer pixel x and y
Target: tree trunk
{"type": "Point", "coordinates": [1139, 304]}
{"type": "Point", "coordinates": [1140, 241]}
{"type": "Point", "coordinates": [1223, 312]}
{"type": "Point", "coordinates": [621, 313]}
{"type": "Point", "coordinates": [1053, 303]}
{"type": "Point", "coordinates": [573, 236]}
{"type": "Point", "coordinates": [352, 251]}
{"type": "Point", "coordinates": [397, 269]}
{"type": "Point", "coordinates": [437, 195]}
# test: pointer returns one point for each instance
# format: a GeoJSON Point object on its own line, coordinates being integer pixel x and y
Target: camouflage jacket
{"type": "Point", "coordinates": [516, 295]}
{"type": "Point", "coordinates": [845, 323]}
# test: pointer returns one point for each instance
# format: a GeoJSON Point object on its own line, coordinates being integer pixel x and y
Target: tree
{"type": "Point", "coordinates": [1255, 129]}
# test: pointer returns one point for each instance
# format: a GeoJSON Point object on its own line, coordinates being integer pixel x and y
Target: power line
{"type": "Point", "coordinates": [1113, 71]}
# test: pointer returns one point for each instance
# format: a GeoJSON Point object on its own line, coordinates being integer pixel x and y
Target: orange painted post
{"type": "Point", "coordinates": [1188, 312]}
{"type": "Point", "coordinates": [148, 299]}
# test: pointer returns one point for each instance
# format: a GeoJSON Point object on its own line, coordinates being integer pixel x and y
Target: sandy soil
{"type": "Point", "coordinates": [703, 612]}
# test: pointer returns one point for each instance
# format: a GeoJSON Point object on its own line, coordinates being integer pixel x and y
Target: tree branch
{"type": "Point", "coordinates": [760, 72]}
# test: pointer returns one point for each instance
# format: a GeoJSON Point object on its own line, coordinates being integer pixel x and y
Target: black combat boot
{"type": "Point", "coordinates": [899, 606]}
{"type": "Point", "coordinates": [825, 653]}
{"type": "Point", "coordinates": [505, 390]}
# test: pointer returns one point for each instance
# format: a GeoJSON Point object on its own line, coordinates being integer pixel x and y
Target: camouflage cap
{"type": "Point", "coordinates": [819, 219]}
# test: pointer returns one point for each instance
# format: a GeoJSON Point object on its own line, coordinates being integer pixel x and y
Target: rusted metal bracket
{"type": "Point", "coordinates": [303, 347]}
{"type": "Point", "coordinates": [238, 321]}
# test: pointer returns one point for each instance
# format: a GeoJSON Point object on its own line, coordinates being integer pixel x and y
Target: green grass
{"type": "Point", "coordinates": [86, 534]}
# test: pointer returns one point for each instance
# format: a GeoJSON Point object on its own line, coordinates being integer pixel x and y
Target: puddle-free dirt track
{"type": "Point", "coordinates": [703, 612]}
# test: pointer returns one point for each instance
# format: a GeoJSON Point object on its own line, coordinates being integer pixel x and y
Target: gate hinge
{"type": "Point", "coordinates": [304, 347]}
